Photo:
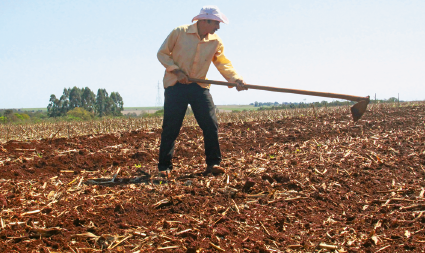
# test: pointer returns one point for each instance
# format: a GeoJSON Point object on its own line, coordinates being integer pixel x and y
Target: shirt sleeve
{"type": "Point", "coordinates": [164, 52]}
{"type": "Point", "coordinates": [224, 66]}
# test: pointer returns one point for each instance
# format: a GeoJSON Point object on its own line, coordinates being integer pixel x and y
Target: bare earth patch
{"type": "Point", "coordinates": [305, 184]}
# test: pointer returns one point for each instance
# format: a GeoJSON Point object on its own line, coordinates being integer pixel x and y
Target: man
{"type": "Point", "coordinates": [188, 52]}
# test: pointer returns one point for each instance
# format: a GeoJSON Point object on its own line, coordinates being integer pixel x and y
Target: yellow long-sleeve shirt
{"type": "Point", "coordinates": [183, 49]}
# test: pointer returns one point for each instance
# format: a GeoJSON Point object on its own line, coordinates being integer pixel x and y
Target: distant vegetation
{"type": "Point", "coordinates": [82, 103]}
{"type": "Point", "coordinates": [74, 104]}
{"type": "Point", "coordinates": [16, 116]}
{"type": "Point", "coordinates": [286, 105]}
{"type": "Point", "coordinates": [158, 113]}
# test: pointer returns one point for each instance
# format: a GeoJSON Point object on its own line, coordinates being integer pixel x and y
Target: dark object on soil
{"type": "Point", "coordinates": [356, 111]}
{"type": "Point", "coordinates": [268, 178]}
{"type": "Point", "coordinates": [3, 202]}
{"type": "Point", "coordinates": [248, 185]}
{"type": "Point", "coordinates": [44, 232]}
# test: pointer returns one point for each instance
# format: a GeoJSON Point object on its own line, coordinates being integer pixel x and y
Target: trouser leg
{"type": "Point", "coordinates": [204, 110]}
{"type": "Point", "coordinates": [175, 106]}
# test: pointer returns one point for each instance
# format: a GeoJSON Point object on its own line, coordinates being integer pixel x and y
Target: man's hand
{"type": "Point", "coordinates": [240, 85]}
{"type": "Point", "coordinates": [181, 76]}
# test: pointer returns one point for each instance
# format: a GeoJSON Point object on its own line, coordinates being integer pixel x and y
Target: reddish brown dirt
{"type": "Point", "coordinates": [295, 185]}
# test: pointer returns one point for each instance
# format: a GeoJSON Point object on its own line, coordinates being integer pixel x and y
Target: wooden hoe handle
{"type": "Point", "coordinates": [268, 88]}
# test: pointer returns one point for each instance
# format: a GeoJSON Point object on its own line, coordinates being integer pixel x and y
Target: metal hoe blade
{"type": "Point", "coordinates": [359, 109]}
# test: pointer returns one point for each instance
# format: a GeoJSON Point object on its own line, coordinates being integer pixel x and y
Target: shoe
{"type": "Point", "coordinates": [165, 173]}
{"type": "Point", "coordinates": [214, 169]}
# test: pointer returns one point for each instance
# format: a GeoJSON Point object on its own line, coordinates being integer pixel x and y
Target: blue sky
{"type": "Point", "coordinates": [351, 47]}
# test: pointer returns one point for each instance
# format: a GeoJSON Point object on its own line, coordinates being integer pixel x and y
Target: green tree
{"type": "Point", "coordinates": [53, 109]}
{"type": "Point", "coordinates": [79, 114]}
{"type": "Point", "coordinates": [102, 102]}
{"type": "Point", "coordinates": [22, 117]}
{"type": "Point", "coordinates": [8, 115]}
{"type": "Point", "coordinates": [75, 98]}
{"type": "Point", "coordinates": [64, 105]}
{"type": "Point", "coordinates": [88, 100]}
{"type": "Point", "coordinates": [118, 104]}
{"type": "Point", "coordinates": [18, 116]}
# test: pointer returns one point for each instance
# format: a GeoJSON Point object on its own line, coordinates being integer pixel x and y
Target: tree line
{"type": "Point", "coordinates": [76, 100]}
{"type": "Point", "coordinates": [288, 105]}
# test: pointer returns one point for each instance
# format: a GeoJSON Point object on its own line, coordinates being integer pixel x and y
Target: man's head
{"type": "Point", "coordinates": [211, 12]}
{"type": "Point", "coordinates": [206, 26]}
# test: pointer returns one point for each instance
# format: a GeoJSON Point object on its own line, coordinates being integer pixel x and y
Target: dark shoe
{"type": "Point", "coordinates": [165, 173]}
{"type": "Point", "coordinates": [214, 169]}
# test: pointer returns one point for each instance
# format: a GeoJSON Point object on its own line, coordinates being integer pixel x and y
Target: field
{"type": "Point", "coordinates": [140, 110]}
{"type": "Point", "coordinates": [229, 108]}
{"type": "Point", "coordinates": [221, 108]}
{"type": "Point", "coordinates": [152, 109]}
{"type": "Point", "coordinates": [295, 181]}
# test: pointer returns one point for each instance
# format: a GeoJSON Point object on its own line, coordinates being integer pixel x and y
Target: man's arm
{"type": "Point", "coordinates": [225, 67]}
{"type": "Point", "coordinates": [164, 56]}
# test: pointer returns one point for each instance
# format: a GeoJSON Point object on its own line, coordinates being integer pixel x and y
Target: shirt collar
{"type": "Point", "coordinates": [194, 29]}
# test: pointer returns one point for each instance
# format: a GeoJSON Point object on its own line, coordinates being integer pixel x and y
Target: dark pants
{"type": "Point", "coordinates": [177, 98]}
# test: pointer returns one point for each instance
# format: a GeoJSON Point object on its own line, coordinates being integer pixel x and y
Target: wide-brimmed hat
{"type": "Point", "coordinates": [211, 12]}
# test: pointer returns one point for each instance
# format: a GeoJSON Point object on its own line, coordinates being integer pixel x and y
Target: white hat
{"type": "Point", "coordinates": [211, 12]}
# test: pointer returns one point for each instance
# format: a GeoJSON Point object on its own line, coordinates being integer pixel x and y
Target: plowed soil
{"type": "Point", "coordinates": [303, 184]}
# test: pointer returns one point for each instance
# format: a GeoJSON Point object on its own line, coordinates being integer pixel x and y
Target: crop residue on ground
{"type": "Point", "coordinates": [295, 185]}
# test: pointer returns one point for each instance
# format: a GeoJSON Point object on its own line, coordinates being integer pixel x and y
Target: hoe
{"type": "Point", "coordinates": [357, 110]}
